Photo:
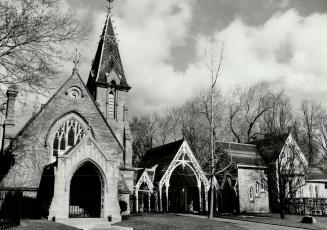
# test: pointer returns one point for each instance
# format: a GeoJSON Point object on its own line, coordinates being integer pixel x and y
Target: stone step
{"type": "Point", "coordinates": [86, 223]}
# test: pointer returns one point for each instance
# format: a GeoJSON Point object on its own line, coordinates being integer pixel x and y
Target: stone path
{"type": "Point", "coordinates": [91, 224]}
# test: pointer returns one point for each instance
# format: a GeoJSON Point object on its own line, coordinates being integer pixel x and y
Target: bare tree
{"type": "Point", "coordinates": [287, 168]}
{"type": "Point", "coordinates": [311, 114]}
{"type": "Point", "coordinates": [247, 108]}
{"type": "Point", "coordinates": [279, 119]}
{"type": "Point", "coordinates": [144, 130]}
{"type": "Point", "coordinates": [320, 138]}
{"type": "Point", "coordinates": [31, 34]}
{"type": "Point", "coordinates": [213, 63]}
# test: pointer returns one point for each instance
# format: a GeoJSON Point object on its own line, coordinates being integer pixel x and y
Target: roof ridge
{"type": "Point", "coordinates": [45, 105]}
{"type": "Point", "coordinates": [236, 143]}
{"type": "Point", "coordinates": [162, 146]}
{"type": "Point", "coordinates": [75, 72]}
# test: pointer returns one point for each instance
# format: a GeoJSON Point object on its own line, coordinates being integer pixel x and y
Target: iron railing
{"type": "Point", "coordinates": [12, 207]}
{"type": "Point", "coordinates": [308, 206]}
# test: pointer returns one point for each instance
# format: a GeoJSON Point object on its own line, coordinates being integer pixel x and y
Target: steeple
{"type": "Point", "coordinates": [107, 82]}
{"type": "Point", "coordinates": [107, 64]}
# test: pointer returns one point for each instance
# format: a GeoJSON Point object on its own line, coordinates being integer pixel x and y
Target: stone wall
{"type": "Point", "coordinates": [247, 178]}
{"type": "Point", "coordinates": [32, 149]}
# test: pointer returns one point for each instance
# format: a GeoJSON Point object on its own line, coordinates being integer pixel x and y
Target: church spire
{"type": "Point", "coordinates": [107, 65]}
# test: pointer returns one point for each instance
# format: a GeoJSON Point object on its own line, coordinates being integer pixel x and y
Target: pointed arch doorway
{"type": "Point", "coordinates": [86, 192]}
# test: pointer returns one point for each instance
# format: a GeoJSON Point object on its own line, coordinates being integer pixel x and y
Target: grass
{"type": "Point", "coordinates": [172, 221]}
{"type": "Point", "coordinates": [42, 224]}
{"type": "Point", "coordinates": [290, 220]}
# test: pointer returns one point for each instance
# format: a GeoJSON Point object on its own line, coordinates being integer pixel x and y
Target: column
{"type": "Point", "coordinates": [206, 200]}
{"type": "Point", "coordinates": [160, 198]}
{"type": "Point", "coordinates": [156, 202]}
{"type": "Point", "coordinates": [149, 200]}
{"type": "Point", "coordinates": [217, 208]}
{"type": "Point", "coordinates": [167, 189]}
{"type": "Point", "coordinates": [200, 199]}
{"type": "Point", "coordinates": [137, 201]}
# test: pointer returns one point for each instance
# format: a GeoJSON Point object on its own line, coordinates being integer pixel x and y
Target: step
{"type": "Point", "coordinates": [86, 223]}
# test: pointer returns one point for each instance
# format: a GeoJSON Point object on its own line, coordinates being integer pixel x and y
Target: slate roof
{"type": "Point", "coordinates": [107, 58]}
{"type": "Point", "coordinates": [163, 156]}
{"type": "Point", "coordinates": [122, 187]}
{"type": "Point", "coordinates": [270, 147]}
{"type": "Point", "coordinates": [317, 174]}
{"type": "Point", "coordinates": [243, 154]}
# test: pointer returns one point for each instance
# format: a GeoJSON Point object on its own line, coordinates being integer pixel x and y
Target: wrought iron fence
{"type": "Point", "coordinates": [308, 206]}
{"type": "Point", "coordinates": [12, 206]}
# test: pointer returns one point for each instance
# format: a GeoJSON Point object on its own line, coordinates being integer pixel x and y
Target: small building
{"type": "Point", "coordinates": [171, 180]}
{"type": "Point", "coordinates": [242, 187]}
{"type": "Point", "coordinates": [315, 185]}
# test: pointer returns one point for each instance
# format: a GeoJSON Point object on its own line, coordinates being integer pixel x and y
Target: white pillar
{"type": "Point", "coordinates": [137, 201]}
{"type": "Point", "coordinates": [160, 198]}
{"type": "Point", "coordinates": [206, 200]}
{"type": "Point", "coordinates": [200, 199]}
{"type": "Point", "coordinates": [167, 189]}
{"type": "Point", "coordinates": [156, 202]}
{"type": "Point", "coordinates": [149, 200]}
{"type": "Point", "coordinates": [217, 208]}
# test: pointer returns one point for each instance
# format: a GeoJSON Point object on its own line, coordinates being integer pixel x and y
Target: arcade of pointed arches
{"type": "Point", "coordinates": [159, 199]}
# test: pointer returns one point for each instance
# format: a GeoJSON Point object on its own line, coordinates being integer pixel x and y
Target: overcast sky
{"type": "Point", "coordinates": [162, 45]}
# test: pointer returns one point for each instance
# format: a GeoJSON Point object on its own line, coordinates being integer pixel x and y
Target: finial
{"type": "Point", "coordinates": [76, 56]}
{"type": "Point", "coordinates": [36, 104]}
{"type": "Point", "coordinates": [109, 7]}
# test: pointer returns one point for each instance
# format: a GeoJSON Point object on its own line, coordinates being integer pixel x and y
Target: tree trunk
{"type": "Point", "coordinates": [281, 209]}
{"type": "Point", "coordinates": [211, 199]}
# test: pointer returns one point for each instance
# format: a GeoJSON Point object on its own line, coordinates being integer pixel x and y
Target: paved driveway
{"type": "Point", "coordinates": [247, 224]}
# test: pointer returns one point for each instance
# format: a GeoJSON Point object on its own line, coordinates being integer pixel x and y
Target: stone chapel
{"type": "Point", "coordinates": [74, 157]}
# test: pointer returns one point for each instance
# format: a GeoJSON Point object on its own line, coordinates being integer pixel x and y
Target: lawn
{"type": "Point", "coordinates": [172, 221]}
{"type": "Point", "coordinates": [42, 224]}
{"type": "Point", "coordinates": [290, 220]}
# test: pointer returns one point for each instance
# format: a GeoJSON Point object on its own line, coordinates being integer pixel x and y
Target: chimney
{"type": "Point", "coordinates": [9, 123]}
{"type": "Point", "coordinates": [11, 98]}
{"type": "Point", "coordinates": [10, 113]}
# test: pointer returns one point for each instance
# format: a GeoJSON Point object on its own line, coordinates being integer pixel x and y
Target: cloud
{"type": "Point", "coordinates": [148, 30]}
{"type": "Point", "coordinates": [288, 48]}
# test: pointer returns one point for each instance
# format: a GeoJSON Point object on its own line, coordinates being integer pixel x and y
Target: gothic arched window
{"type": "Point", "coordinates": [68, 135]}
{"type": "Point", "coordinates": [112, 100]}
{"type": "Point", "coordinates": [257, 189]}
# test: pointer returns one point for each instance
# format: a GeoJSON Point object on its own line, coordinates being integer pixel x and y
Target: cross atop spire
{"type": "Point", "coordinates": [76, 56]}
{"type": "Point", "coordinates": [109, 7]}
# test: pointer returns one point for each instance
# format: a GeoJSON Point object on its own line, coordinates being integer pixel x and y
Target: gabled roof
{"type": "Point", "coordinates": [74, 73]}
{"type": "Point", "coordinates": [122, 187]}
{"type": "Point", "coordinates": [161, 156]}
{"type": "Point", "coordinates": [107, 58]}
{"type": "Point", "coordinates": [270, 147]}
{"type": "Point", "coordinates": [243, 154]}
